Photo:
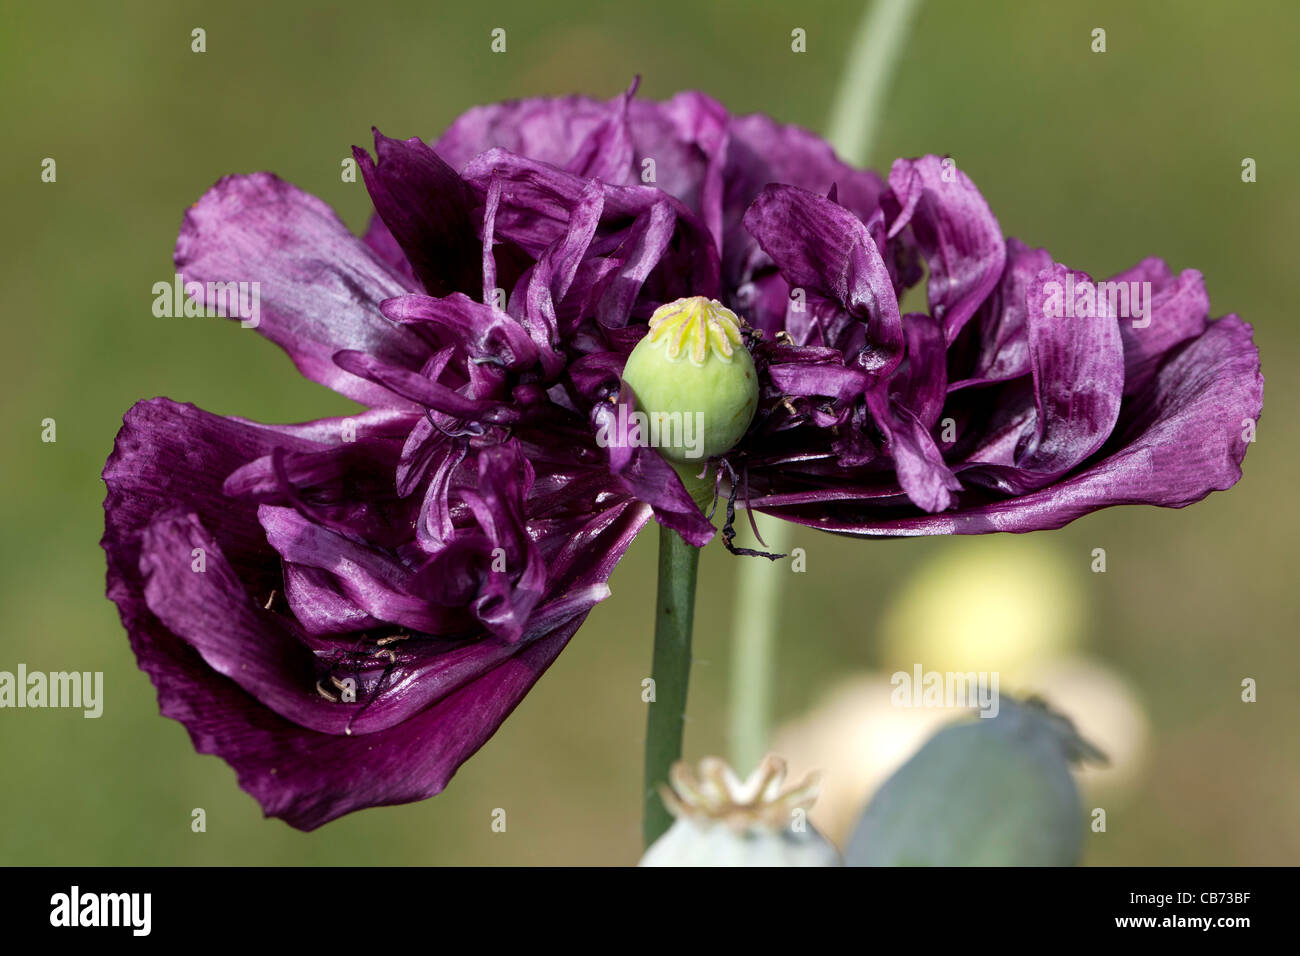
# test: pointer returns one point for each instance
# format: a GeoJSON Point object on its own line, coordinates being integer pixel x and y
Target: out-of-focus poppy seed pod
{"type": "Point", "coordinates": [990, 792]}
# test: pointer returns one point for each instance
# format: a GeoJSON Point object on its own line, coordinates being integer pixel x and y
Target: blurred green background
{"type": "Point", "coordinates": [1103, 158]}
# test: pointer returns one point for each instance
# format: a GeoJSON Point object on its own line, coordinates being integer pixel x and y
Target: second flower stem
{"type": "Point", "coordinates": [671, 671]}
{"type": "Point", "coordinates": [759, 589]}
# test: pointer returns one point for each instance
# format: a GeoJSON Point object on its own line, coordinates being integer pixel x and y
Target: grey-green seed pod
{"type": "Point", "coordinates": [990, 792]}
{"type": "Point", "coordinates": [724, 821]}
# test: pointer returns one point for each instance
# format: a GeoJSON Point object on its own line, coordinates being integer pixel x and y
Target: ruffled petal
{"type": "Point", "coordinates": [955, 231]}
{"type": "Point", "coordinates": [1078, 370]}
{"type": "Point", "coordinates": [1176, 309]}
{"type": "Point", "coordinates": [996, 334]}
{"type": "Point", "coordinates": [1190, 431]}
{"type": "Point", "coordinates": [319, 286]}
{"type": "Point", "coordinates": [243, 679]}
{"type": "Point", "coordinates": [426, 208]}
{"type": "Point", "coordinates": [822, 247]}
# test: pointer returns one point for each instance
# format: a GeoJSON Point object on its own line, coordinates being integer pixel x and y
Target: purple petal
{"type": "Point", "coordinates": [537, 202]}
{"type": "Point", "coordinates": [644, 473]}
{"type": "Point", "coordinates": [547, 129]}
{"type": "Point", "coordinates": [1178, 309]}
{"type": "Point", "coordinates": [426, 208]}
{"type": "Point", "coordinates": [956, 232]}
{"type": "Point", "coordinates": [376, 583]}
{"type": "Point", "coordinates": [687, 137]}
{"type": "Point", "coordinates": [320, 286]}
{"type": "Point", "coordinates": [606, 153]}
{"type": "Point", "coordinates": [824, 248]}
{"type": "Point", "coordinates": [1187, 440]}
{"type": "Point", "coordinates": [1078, 371]}
{"type": "Point", "coordinates": [227, 669]}
{"type": "Point", "coordinates": [1000, 344]}
{"type": "Point", "coordinates": [485, 333]}
{"type": "Point", "coordinates": [418, 389]}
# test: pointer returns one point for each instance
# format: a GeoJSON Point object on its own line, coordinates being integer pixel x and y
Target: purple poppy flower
{"type": "Point", "coordinates": [345, 610]}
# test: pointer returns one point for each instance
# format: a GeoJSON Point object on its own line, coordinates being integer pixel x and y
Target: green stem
{"type": "Point", "coordinates": [881, 36]}
{"type": "Point", "coordinates": [753, 645]}
{"type": "Point", "coordinates": [674, 614]}
{"type": "Point", "coordinates": [858, 104]}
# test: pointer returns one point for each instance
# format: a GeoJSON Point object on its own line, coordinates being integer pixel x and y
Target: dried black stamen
{"type": "Point", "coordinates": [729, 526]}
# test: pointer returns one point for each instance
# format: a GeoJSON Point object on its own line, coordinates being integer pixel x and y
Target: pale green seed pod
{"type": "Point", "coordinates": [990, 792]}
{"type": "Point", "coordinates": [693, 371]}
{"type": "Point", "coordinates": [724, 821]}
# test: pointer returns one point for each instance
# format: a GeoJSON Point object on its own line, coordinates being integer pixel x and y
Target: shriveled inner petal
{"type": "Point", "coordinates": [908, 408]}
{"type": "Point", "coordinates": [1178, 309]}
{"type": "Point", "coordinates": [497, 571]}
{"type": "Point", "coordinates": [554, 273]}
{"type": "Point", "coordinates": [644, 473]}
{"type": "Point", "coordinates": [347, 487]}
{"type": "Point", "coordinates": [687, 136]}
{"type": "Point", "coordinates": [547, 129]}
{"type": "Point", "coordinates": [918, 461]}
{"type": "Point", "coordinates": [644, 245]}
{"type": "Point", "coordinates": [1078, 372]}
{"type": "Point", "coordinates": [826, 250]}
{"type": "Point", "coordinates": [956, 232]}
{"type": "Point", "coordinates": [426, 208]}
{"type": "Point", "coordinates": [996, 337]}
{"type": "Point", "coordinates": [536, 202]}
{"type": "Point", "coordinates": [320, 604]}
{"type": "Point", "coordinates": [422, 391]}
{"type": "Point", "coordinates": [485, 333]}
{"type": "Point", "coordinates": [606, 153]}
{"type": "Point", "coordinates": [378, 584]}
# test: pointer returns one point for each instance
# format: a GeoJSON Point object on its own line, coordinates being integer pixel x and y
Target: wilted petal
{"type": "Point", "coordinates": [319, 285]}
{"type": "Point", "coordinates": [547, 129]}
{"type": "Point", "coordinates": [687, 136]}
{"type": "Point", "coordinates": [1178, 310]}
{"type": "Point", "coordinates": [537, 200]}
{"type": "Point", "coordinates": [606, 153]}
{"type": "Point", "coordinates": [1078, 371]}
{"type": "Point", "coordinates": [644, 473]}
{"type": "Point", "coordinates": [426, 208]}
{"type": "Point", "coordinates": [1188, 439]}
{"type": "Point", "coordinates": [486, 333]}
{"type": "Point", "coordinates": [418, 389]}
{"type": "Point", "coordinates": [822, 247]}
{"type": "Point", "coordinates": [956, 232]}
{"type": "Point", "coordinates": [996, 334]}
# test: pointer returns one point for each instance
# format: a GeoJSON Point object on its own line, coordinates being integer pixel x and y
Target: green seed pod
{"type": "Point", "coordinates": [991, 792]}
{"type": "Point", "coordinates": [724, 821]}
{"type": "Point", "coordinates": [694, 379]}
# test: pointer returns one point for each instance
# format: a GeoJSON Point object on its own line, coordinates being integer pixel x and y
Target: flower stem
{"type": "Point", "coordinates": [671, 671]}
{"type": "Point", "coordinates": [855, 114]}
{"type": "Point", "coordinates": [759, 586]}
{"type": "Point", "coordinates": [881, 37]}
